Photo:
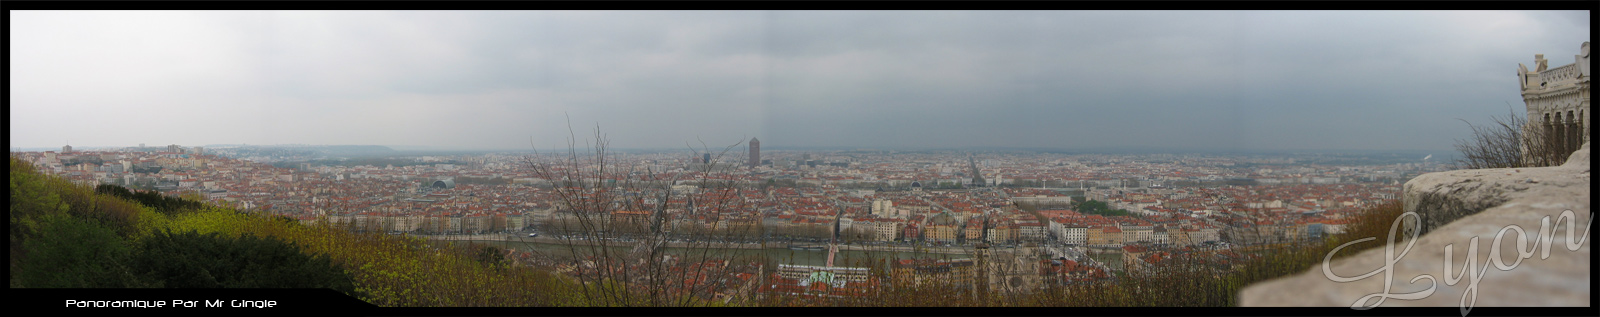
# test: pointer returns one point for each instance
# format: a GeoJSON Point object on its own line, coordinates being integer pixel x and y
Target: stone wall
{"type": "Point", "coordinates": [1454, 207]}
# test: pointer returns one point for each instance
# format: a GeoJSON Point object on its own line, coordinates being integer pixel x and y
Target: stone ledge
{"type": "Point", "coordinates": [1522, 197]}
{"type": "Point", "coordinates": [1444, 197]}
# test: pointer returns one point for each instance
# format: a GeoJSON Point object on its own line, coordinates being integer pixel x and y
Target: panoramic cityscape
{"type": "Point", "coordinates": [934, 198]}
{"type": "Point", "coordinates": [787, 159]}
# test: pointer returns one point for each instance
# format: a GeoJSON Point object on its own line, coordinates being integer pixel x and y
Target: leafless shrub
{"type": "Point", "coordinates": [1510, 142]}
{"type": "Point", "coordinates": [616, 222]}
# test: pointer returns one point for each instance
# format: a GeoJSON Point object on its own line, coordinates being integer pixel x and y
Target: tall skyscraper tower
{"type": "Point", "coordinates": [755, 152]}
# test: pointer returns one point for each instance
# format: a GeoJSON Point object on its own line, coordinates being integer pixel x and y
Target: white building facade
{"type": "Point", "coordinates": [1557, 99]}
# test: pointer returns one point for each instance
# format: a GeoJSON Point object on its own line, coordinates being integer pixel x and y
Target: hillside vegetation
{"type": "Point", "coordinates": [68, 236]}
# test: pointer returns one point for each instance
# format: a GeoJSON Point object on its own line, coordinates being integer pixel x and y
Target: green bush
{"type": "Point", "coordinates": [32, 200]}
{"type": "Point", "coordinates": [162, 203]}
{"type": "Point", "coordinates": [488, 254]}
{"type": "Point", "coordinates": [195, 260]}
{"type": "Point", "coordinates": [69, 252]}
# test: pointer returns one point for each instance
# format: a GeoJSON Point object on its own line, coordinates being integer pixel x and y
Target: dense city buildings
{"type": "Point", "coordinates": [1155, 199]}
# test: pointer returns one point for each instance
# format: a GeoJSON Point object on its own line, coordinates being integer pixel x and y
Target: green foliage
{"type": "Point", "coordinates": [391, 270]}
{"type": "Point", "coordinates": [70, 252]}
{"type": "Point", "coordinates": [195, 260]}
{"type": "Point", "coordinates": [162, 203]}
{"type": "Point", "coordinates": [488, 254]}
{"type": "Point", "coordinates": [125, 217]}
{"type": "Point", "coordinates": [30, 201]}
{"type": "Point", "coordinates": [1096, 207]}
{"type": "Point", "coordinates": [34, 196]}
{"type": "Point", "coordinates": [66, 235]}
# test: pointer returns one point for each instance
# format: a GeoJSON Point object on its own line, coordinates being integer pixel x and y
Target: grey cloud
{"type": "Point", "coordinates": [1168, 79]}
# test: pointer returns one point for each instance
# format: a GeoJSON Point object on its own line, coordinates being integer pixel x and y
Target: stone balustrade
{"type": "Point", "coordinates": [1559, 76]}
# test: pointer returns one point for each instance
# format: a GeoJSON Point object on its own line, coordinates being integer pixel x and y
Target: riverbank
{"type": "Point", "coordinates": [713, 245]}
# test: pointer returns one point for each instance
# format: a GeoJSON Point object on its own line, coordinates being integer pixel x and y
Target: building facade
{"type": "Point", "coordinates": [884, 208]}
{"type": "Point", "coordinates": [1558, 100]}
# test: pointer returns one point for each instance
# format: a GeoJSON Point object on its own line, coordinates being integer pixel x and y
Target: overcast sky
{"type": "Point", "coordinates": [1229, 80]}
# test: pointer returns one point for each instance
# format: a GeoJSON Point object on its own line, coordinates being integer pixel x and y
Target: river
{"type": "Point", "coordinates": [781, 253]}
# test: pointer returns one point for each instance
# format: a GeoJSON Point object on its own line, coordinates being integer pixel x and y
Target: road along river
{"type": "Point", "coordinates": [851, 255]}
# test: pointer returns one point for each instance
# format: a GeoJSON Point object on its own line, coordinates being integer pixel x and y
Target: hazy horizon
{"type": "Point", "coordinates": [412, 149]}
{"type": "Point", "coordinates": [1184, 81]}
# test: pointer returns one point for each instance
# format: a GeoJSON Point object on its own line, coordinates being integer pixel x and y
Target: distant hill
{"type": "Point", "coordinates": [356, 150]}
{"type": "Point", "coordinates": [309, 150]}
